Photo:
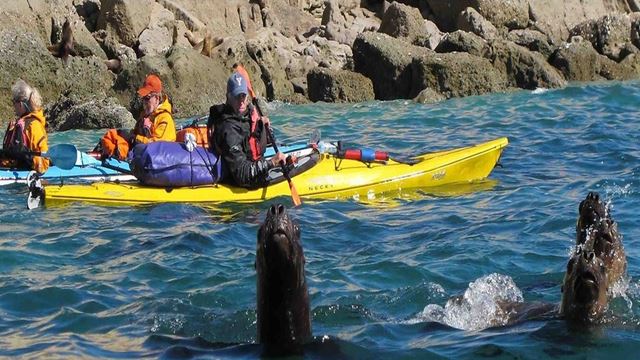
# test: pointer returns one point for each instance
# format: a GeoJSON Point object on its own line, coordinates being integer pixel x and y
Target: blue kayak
{"type": "Point", "coordinates": [86, 168]}
{"type": "Point", "coordinates": [90, 169]}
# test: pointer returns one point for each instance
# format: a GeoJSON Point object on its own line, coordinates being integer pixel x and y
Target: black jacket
{"type": "Point", "coordinates": [230, 139]}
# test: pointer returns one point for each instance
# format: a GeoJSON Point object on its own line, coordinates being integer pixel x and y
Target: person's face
{"type": "Point", "coordinates": [239, 103]}
{"type": "Point", "coordinates": [18, 108]}
{"type": "Point", "coordinates": [150, 103]}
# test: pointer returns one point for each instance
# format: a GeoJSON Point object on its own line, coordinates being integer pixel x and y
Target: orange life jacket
{"type": "Point", "coordinates": [114, 145]}
{"type": "Point", "coordinates": [200, 133]}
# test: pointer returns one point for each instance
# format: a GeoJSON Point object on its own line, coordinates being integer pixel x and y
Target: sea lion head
{"type": "Point", "coordinates": [584, 292]}
{"type": "Point", "coordinates": [283, 300]}
{"type": "Point", "coordinates": [279, 248]}
{"type": "Point", "coordinates": [591, 212]}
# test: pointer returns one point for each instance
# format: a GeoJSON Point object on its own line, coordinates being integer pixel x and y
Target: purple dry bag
{"type": "Point", "coordinates": [170, 164]}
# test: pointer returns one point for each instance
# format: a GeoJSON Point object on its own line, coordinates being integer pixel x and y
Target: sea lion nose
{"type": "Point", "coordinates": [278, 209]}
{"type": "Point", "coordinates": [589, 255]}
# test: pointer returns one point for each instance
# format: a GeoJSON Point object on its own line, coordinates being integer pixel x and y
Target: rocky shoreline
{"type": "Point", "coordinates": [304, 50]}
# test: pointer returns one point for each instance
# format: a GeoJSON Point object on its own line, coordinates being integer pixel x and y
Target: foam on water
{"type": "Point", "coordinates": [479, 307]}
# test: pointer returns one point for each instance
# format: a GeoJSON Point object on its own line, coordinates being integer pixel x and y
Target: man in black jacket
{"type": "Point", "coordinates": [240, 137]}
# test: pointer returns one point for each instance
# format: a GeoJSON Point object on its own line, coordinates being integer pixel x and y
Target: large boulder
{"type": "Point", "coordinates": [193, 89]}
{"type": "Point", "coordinates": [462, 41]}
{"type": "Point", "coordinates": [126, 19]}
{"type": "Point", "coordinates": [512, 14]}
{"type": "Point", "coordinates": [335, 23]}
{"type": "Point", "coordinates": [456, 75]}
{"type": "Point", "coordinates": [611, 35]}
{"type": "Point", "coordinates": [434, 35]}
{"type": "Point", "coordinates": [289, 20]}
{"type": "Point", "coordinates": [338, 86]}
{"type": "Point", "coordinates": [404, 22]}
{"type": "Point", "coordinates": [524, 68]}
{"type": "Point", "coordinates": [185, 11]}
{"type": "Point", "coordinates": [556, 17]}
{"type": "Point", "coordinates": [472, 21]}
{"type": "Point", "coordinates": [533, 40]}
{"type": "Point", "coordinates": [387, 62]}
{"type": "Point", "coordinates": [327, 53]}
{"type": "Point", "coordinates": [278, 62]}
{"type": "Point", "coordinates": [429, 96]}
{"type": "Point", "coordinates": [578, 61]}
{"type": "Point", "coordinates": [343, 21]}
{"type": "Point", "coordinates": [157, 38]}
{"type": "Point", "coordinates": [68, 112]}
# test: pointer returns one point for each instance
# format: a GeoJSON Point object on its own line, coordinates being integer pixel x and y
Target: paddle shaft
{"type": "Point", "coordinates": [116, 168]}
{"type": "Point", "coordinates": [285, 170]}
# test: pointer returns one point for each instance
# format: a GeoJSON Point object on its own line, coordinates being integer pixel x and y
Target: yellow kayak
{"type": "Point", "coordinates": [329, 178]}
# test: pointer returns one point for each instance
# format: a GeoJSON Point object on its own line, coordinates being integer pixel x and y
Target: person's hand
{"type": "Point", "coordinates": [265, 120]}
{"type": "Point", "coordinates": [275, 161]}
{"type": "Point", "coordinates": [147, 123]}
{"type": "Point", "coordinates": [147, 126]}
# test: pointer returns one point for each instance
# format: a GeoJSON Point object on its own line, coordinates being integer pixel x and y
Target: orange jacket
{"type": "Point", "coordinates": [33, 138]}
{"type": "Point", "coordinates": [162, 126]}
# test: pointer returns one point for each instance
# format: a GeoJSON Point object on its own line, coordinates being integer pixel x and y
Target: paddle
{"type": "Point", "coordinates": [285, 171]}
{"type": "Point", "coordinates": [63, 156]}
{"type": "Point", "coordinates": [36, 190]}
{"type": "Point", "coordinates": [106, 164]}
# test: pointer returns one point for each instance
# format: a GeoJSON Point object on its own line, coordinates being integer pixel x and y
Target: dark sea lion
{"type": "Point", "coordinates": [114, 65]}
{"type": "Point", "coordinates": [584, 290]}
{"type": "Point", "coordinates": [596, 230]}
{"type": "Point", "coordinates": [284, 322]}
{"type": "Point", "coordinates": [64, 47]}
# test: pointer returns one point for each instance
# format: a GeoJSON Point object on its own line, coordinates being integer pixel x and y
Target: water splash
{"type": "Point", "coordinates": [480, 307]}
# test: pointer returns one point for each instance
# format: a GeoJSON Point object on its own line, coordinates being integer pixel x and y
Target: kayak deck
{"type": "Point", "coordinates": [87, 172]}
{"type": "Point", "coordinates": [330, 178]}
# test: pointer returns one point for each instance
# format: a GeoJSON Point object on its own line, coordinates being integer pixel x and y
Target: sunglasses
{"type": "Point", "coordinates": [149, 97]}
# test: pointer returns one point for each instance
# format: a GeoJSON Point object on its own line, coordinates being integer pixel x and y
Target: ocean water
{"type": "Point", "coordinates": [176, 281]}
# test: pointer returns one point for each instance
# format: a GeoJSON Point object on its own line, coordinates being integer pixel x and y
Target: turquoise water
{"type": "Point", "coordinates": [169, 281]}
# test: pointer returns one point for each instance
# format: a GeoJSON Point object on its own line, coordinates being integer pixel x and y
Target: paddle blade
{"type": "Point", "coordinates": [243, 72]}
{"type": "Point", "coordinates": [63, 156]}
{"type": "Point", "coordinates": [294, 194]}
{"type": "Point", "coordinates": [36, 191]}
